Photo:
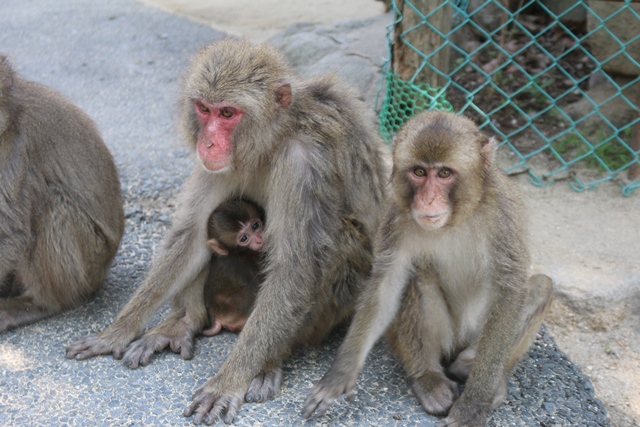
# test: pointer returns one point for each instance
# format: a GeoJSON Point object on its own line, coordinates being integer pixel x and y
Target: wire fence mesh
{"type": "Point", "coordinates": [559, 82]}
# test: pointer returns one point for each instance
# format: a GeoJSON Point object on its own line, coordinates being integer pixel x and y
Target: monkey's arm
{"type": "Point", "coordinates": [302, 212]}
{"type": "Point", "coordinates": [499, 335]}
{"type": "Point", "coordinates": [175, 267]}
{"type": "Point", "coordinates": [376, 309]}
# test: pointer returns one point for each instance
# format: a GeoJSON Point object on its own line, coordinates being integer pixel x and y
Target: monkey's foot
{"type": "Point", "coordinates": [264, 385]}
{"type": "Point", "coordinates": [140, 351]}
{"type": "Point", "coordinates": [213, 330]}
{"type": "Point", "coordinates": [211, 403]}
{"type": "Point", "coordinates": [435, 392]}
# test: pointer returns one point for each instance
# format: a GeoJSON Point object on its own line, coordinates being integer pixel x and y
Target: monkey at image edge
{"type": "Point", "coordinates": [61, 211]}
{"type": "Point", "coordinates": [449, 282]}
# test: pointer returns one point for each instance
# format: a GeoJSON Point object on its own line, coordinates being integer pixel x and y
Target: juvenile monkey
{"type": "Point", "coordinates": [61, 214]}
{"type": "Point", "coordinates": [449, 279]}
{"type": "Point", "coordinates": [235, 236]}
{"type": "Point", "coordinates": [309, 153]}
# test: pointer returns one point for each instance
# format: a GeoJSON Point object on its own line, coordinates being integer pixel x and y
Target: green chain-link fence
{"type": "Point", "coordinates": [562, 91]}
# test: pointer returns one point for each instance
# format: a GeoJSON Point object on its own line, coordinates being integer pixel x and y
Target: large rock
{"type": "Point", "coordinates": [355, 49]}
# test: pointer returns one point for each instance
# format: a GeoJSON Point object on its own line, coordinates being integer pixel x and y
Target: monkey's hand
{"type": "Point", "coordinates": [334, 383]}
{"type": "Point", "coordinates": [140, 351]}
{"type": "Point", "coordinates": [111, 340]}
{"type": "Point", "coordinates": [264, 385]}
{"type": "Point", "coordinates": [176, 332]}
{"type": "Point", "coordinates": [213, 400]}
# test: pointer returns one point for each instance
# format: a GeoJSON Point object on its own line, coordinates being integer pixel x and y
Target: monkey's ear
{"type": "Point", "coordinates": [283, 95]}
{"type": "Point", "coordinates": [488, 150]}
{"type": "Point", "coordinates": [216, 247]}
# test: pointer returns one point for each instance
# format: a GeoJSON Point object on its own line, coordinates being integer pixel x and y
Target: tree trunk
{"type": "Point", "coordinates": [406, 62]}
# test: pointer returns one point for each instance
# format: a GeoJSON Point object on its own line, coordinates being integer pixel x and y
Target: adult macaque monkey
{"type": "Point", "coordinates": [449, 276]}
{"type": "Point", "coordinates": [309, 153]}
{"type": "Point", "coordinates": [61, 215]}
{"type": "Point", "coordinates": [235, 236]}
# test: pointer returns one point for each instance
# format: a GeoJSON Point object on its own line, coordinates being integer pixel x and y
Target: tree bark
{"type": "Point", "coordinates": [406, 62]}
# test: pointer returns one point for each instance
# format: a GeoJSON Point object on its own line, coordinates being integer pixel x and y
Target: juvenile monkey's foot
{"type": "Point", "coordinates": [264, 385]}
{"type": "Point", "coordinates": [435, 392]}
{"type": "Point", "coordinates": [213, 330]}
{"type": "Point", "coordinates": [213, 402]}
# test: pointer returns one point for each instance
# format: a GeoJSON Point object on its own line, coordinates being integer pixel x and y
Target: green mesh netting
{"type": "Point", "coordinates": [531, 80]}
{"type": "Point", "coordinates": [404, 100]}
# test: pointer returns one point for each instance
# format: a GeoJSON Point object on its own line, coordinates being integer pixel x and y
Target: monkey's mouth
{"type": "Point", "coordinates": [216, 166]}
{"type": "Point", "coordinates": [431, 222]}
{"type": "Point", "coordinates": [431, 218]}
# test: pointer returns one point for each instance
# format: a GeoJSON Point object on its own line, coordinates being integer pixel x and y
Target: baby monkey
{"type": "Point", "coordinates": [235, 236]}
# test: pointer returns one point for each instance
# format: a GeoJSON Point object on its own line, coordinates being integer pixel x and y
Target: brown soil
{"type": "Point", "coordinates": [608, 350]}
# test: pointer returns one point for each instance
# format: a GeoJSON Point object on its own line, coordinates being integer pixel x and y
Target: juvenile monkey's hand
{"type": "Point", "coordinates": [213, 400]}
{"type": "Point", "coordinates": [464, 413]}
{"type": "Point", "coordinates": [328, 389]}
{"type": "Point", "coordinates": [106, 342]}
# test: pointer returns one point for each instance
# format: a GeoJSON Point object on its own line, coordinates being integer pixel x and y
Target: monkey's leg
{"type": "Point", "coordinates": [19, 311]}
{"type": "Point", "coordinates": [538, 303]}
{"type": "Point", "coordinates": [344, 282]}
{"type": "Point", "coordinates": [178, 331]}
{"type": "Point", "coordinates": [67, 263]}
{"type": "Point", "coordinates": [417, 336]}
{"type": "Point", "coordinates": [495, 355]}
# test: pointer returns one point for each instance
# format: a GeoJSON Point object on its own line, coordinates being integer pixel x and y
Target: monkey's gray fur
{"type": "Point", "coordinates": [61, 214]}
{"type": "Point", "coordinates": [309, 153]}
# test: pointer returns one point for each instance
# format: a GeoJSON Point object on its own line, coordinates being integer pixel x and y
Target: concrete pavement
{"type": "Point", "coordinates": [120, 61]}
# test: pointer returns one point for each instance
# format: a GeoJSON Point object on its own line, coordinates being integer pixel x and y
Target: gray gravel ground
{"type": "Point", "coordinates": [120, 61]}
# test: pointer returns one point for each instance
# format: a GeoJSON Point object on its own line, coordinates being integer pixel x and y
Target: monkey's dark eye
{"type": "Point", "coordinates": [255, 225]}
{"type": "Point", "coordinates": [445, 173]}
{"type": "Point", "coordinates": [226, 112]}
{"type": "Point", "coordinates": [419, 172]}
{"type": "Point", "coordinates": [203, 108]}
{"type": "Point", "coordinates": [244, 238]}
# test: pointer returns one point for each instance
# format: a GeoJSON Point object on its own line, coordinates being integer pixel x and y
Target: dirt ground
{"type": "Point", "coordinates": [605, 344]}
{"type": "Point", "coordinates": [609, 355]}
{"type": "Point", "coordinates": [589, 244]}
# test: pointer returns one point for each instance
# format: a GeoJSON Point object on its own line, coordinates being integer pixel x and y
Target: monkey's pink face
{"type": "Point", "coordinates": [215, 141]}
{"type": "Point", "coordinates": [431, 207]}
{"type": "Point", "coordinates": [250, 235]}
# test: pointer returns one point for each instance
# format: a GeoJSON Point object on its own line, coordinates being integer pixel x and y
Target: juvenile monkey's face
{"type": "Point", "coordinates": [432, 185]}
